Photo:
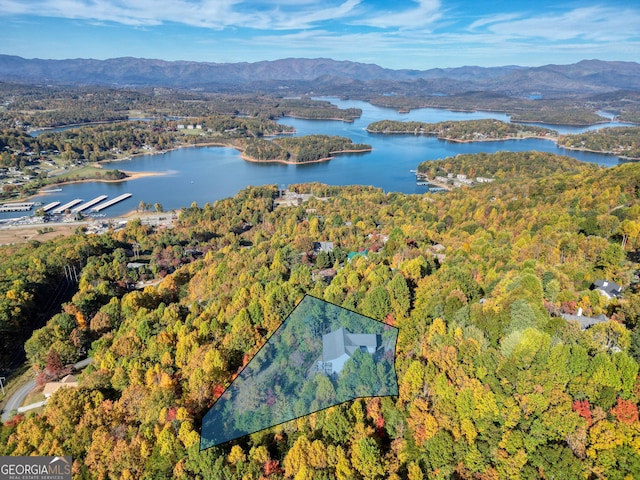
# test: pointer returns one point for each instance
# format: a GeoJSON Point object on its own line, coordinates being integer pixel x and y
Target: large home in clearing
{"type": "Point", "coordinates": [52, 387]}
{"type": "Point", "coordinates": [340, 345]}
{"type": "Point", "coordinates": [608, 288]}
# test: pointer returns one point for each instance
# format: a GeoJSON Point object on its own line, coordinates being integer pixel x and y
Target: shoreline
{"type": "Point", "coordinates": [284, 162]}
{"type": "Point", "coordinates": [459, 140]}
{"type": "Point", "coordinates": [183, 145]}
{"type": "Point", "coordinates": [535, 137]}
{"type": "Point", "coordinates": [130, 176]}
{"type": "Point", "coordinates": [333, 119]}
{"type": "Point", "coordinates": [526, 137]}
{"type": "Point", "coordinates": [601, 152]}
{"type": "Point", "coordinates": [566, 124]}
{"type": "Point", "coordinates": [36, 131]}
{"type": "Point", "coordinates": [288, 162]}
{"type": "Point", "coordinates": [216, 144]}
{"type": "Point", "coordinates": [242, 155]}
{"type": "Point", "coordinates": [505, 112]}
{"type": "Point", "coordinates": [436, 183]}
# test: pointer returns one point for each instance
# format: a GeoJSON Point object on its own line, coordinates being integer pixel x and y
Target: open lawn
{"type": "Point", "coordinates": [82, 172]}
{"type": "Point", "coordinates": [25, 233]}
{"type": "Point", "coordinates": [33, 397]}
{"type": "Point", "coordinates": [140, 114]}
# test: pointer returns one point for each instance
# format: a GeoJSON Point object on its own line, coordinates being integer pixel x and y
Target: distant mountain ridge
{"type": "Point", "coordinates": [585, 77]}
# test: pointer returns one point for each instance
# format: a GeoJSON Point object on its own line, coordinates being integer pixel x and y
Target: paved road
{"type": "Point", "coordinates": [17, 398]}
{"type": "Point", "coordinates": [83, 363]}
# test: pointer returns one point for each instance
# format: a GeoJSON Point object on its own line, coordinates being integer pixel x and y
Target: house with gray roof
{"type": "Point", "coordinates": [326, 247]}
{"type": "Point", "coordinates": [340, 345]}
{"type": "Point", "coordinates": [585, 322]}
{"type": "Point", "coordinates": [608, 288]}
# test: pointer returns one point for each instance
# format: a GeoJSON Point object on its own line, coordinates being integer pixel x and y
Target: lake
{"type": "Point", "coordinates": [206, 174]}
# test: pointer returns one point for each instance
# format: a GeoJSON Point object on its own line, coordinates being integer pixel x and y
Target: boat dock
{"type": "Point", "coordinates": [49, 206]}
{"type": "Point", "coordinates": [70, 204]}
{"type": "Point", "coordinates": [90, 203]}
{"type": "Point", "coordinates": [111, 202]}
{"type": "Point", "coordinates": [16, 207]}
{"type": "Point", "coordinates": [434, 185]}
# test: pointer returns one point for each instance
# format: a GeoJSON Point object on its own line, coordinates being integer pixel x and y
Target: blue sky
{"type": "Point", "coordinates": [418, 34]}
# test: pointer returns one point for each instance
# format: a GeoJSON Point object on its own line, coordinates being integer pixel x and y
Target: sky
{"type": "Point", "coordinates": [415, 34]}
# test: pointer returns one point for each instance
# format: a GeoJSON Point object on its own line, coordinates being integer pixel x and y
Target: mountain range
{"type": "Point", "coordinates": [582, 78]}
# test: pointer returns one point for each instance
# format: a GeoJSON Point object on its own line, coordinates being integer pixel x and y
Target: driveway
{"type": "Point", "coordinates": [17, 398]}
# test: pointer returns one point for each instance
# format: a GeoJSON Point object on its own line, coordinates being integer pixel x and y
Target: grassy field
{"type": "Point", "coordinates": [24, 233]}
{"type": "Point", "coordinates": [82, 172]}
{"type": "Point", "coordinates": [140, 114]}
{"type": "Point", "coordinates": [187, 132]}
{"type": "Point", "coordinates": [33, 397]}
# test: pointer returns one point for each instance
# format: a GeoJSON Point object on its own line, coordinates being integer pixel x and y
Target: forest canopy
{"type": "Point", "coordinates": [464, 130]}
{"type": "Point", "coordinates": [493, 381]}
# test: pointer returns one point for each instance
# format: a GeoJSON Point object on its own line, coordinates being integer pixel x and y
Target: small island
{"type": "Point", "coordinates": [487, 130]}
{"type": "Point", "coordinates": [297, 150]}
{"type": "Point", "coordinates": [621, 141]}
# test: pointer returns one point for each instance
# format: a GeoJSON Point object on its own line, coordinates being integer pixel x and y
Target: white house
{"type": "Point", "coordinates": [52, 387]}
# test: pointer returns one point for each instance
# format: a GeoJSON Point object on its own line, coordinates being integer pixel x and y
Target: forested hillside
{"type": "Point", "coordinates": [621, 141]}
{"type": "Point", "coordinates": [493, 383]}
{"type": "Point", "coordinates": [463, 131]}
{"type": "Point", "coordinates": [310, 148]}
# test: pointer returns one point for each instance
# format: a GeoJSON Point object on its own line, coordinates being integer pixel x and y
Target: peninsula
{"type": "Point", "coordinates": [486, 130]}
{"type": "Point", "coordinates": [621, 141]}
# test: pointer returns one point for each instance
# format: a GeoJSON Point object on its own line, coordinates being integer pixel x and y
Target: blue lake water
{"type": "Point", "coordinates": [206, 174]}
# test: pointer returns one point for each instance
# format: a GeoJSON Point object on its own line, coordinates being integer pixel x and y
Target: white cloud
{"type": "Point", "coordinates": [424, 14]}
{"type": "Point", "coordinates": [307, 18]}
{"type": "Point", "coordinates": [217, 14]}
{"type": "Point", "coordinates": [503, 17]}
{"type": "Point", "coordinates": [586, 23]}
